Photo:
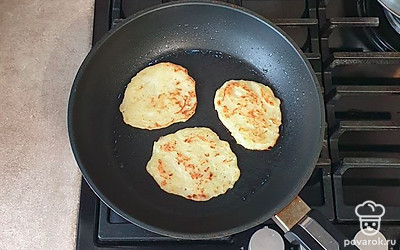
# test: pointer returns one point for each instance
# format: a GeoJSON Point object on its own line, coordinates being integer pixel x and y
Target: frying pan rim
{"type": "Point", "coordinates": [199, 236]}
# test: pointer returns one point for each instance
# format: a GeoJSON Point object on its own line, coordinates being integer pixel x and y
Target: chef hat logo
{"type": "Point", "coordinates": [369, 209]}
{"type": "Point", "coordinates": [370, 215]}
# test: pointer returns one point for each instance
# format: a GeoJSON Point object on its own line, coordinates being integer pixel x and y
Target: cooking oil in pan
{"type": "Point", "coordinates": [210, 69]}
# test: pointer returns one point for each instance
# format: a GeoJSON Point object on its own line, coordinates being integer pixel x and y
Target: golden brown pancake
{"type": "Point", "coordinates": [159, 96]}
{"type": "Point", "coordinates": [193, 163]}
{"type": "Point", "coordinates": [250, 111]}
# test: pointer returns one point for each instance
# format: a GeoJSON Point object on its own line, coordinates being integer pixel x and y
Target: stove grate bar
{"type": "Point", "coordinates": [324, 165]}
{"type": "Point", "coordinates": [357, 178]}
{"type": "Point", "coordinates": [355, 90]}
{"type": "Point", "coordinates": [115, 12]}
{"type": "Point", "coordinates": [353, 58]}
{"type": "Point", "coordinates": [295, 21]}
{"type": "Point", "coordinates": [347, 22]}
{"type": "Point", "coordinates": [356, 126]}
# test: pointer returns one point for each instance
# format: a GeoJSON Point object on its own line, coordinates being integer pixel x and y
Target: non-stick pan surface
{"type": "Point", "coordinates": [215, 43]}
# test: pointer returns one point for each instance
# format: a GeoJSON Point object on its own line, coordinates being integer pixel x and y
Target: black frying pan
{"type": "Point", "coordinates": [215, 43]}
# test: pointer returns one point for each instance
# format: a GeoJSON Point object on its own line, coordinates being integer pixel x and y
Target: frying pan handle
{"type": "Point", "coordinates": [315, 232]}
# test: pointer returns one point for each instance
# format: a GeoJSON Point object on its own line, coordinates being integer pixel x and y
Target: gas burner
{"type": "Point", "coordinates": [393, 6]}
{"type": "Point", "coordinates": [393, 20]}
{"type": "Point", "coordinates": [386, 37]}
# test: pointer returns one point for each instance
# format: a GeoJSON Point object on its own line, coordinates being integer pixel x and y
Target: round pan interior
{"type": "Point", "coordinates": [215, 43]}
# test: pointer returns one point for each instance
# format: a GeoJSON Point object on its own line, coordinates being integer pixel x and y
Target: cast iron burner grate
{"type": "Point", "coordinates": [360, 158]}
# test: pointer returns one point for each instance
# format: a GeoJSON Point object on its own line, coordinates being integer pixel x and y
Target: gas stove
{"type": "Point", "coordinates": [353, 46]}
